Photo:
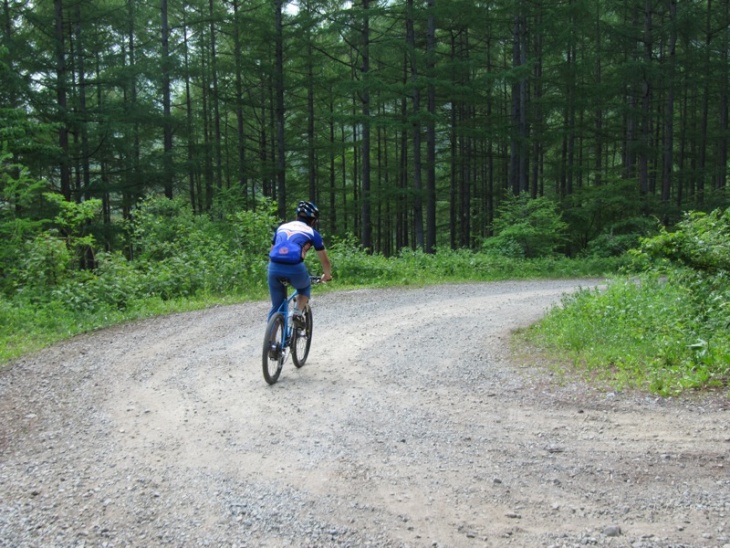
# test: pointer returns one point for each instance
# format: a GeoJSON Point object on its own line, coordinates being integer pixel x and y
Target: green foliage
{"type": "Point", "coordinates": [620, 237]}
{"type": "Point", "coordinates": [45, 260]}
{"type": "Point", "coordinates": [24, 328]}
{"type": "Point", "coordinates": [355, 267]}
{"type": "Point", "coordinates": [44, 263]}
{"type": "Point", "coordinates": [178, 256]}
{"type": "Point", "coordinates": [696, 256]}
{"type": "Point", "coordinates": [181, 254]}
{"type": "Point", "coordinates": [606, 220]}
{"type": "Point", "coordinates": [644, 333]}
{"type": "Point", "coordinates": [527, 227]}
{"type": "Point", "coordinates": [159, 228]}
{"type": "Point", "coordinates": [252, 230]}
{"type": "Point", "coordinates": [18, 192]}
{"type": "Point", "coordinates": [72, 220]}
{"type": "Point", "coordinates": [113, 286]}
{"type": "Point", "coordinates": [181, 259]}
{"type": "Point", "coordinates": [668, 329]}
{"type": "Point", "coordinates": [700, 241]}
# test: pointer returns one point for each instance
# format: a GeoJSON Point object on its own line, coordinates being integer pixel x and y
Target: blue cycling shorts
{"type": "Point", "coordinates": [296, 274]}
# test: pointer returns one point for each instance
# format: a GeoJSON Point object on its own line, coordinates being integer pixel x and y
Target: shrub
{"type": "Point", "coordinates": [666, 330]}
{"type": "Point", "coordinates": [18, 191]}
{"type": "Point", "coordinates": [527, 227]}
{"type": "Point", "coordinates": [618, 238]}
{"type": "Point", "coordinates": [353, 265]}
{"type": "Point", "coordinates": [701, 242]}
{"type": "Point", "coordinates": [638, 334]}
{"type": "Point", "coordinates": [45, 263]}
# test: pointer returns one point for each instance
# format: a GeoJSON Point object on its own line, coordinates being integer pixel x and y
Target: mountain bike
{"type": "Point", "coordinates": [282, 337]}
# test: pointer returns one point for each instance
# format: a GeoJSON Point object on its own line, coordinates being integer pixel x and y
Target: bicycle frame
{"type": "Point", "coordinates": [277, 347]}
{"type": "Point", "coordinates": [285, 310]}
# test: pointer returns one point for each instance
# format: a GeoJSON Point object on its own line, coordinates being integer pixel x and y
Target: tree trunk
{"type": "Point", "coordinates": [668, 161]}
{"type": "Point", "coordinates": [311, 144]}
{"type": "Point", "coordinates": [366, 226]}
{"type": "Point", "coordinates": [453, 147]}
{"type": "Point", "coordinates": [632, 92]}
{"type": "Point", "coordinates": [570, 116]}
{"type": "Point", "coordinates": [598, 112]}
{"type": "Point", "coordinates": [704, 137]}
{"type": "Point", "coordinates": [168, 175]}
{"type": "Point", "coordinates": [83, 113]}
{"type": "Point", "coordinates": [646, 104]}
{"type": "Point", "coordinates": [518, 152]}
{"type": "Point", "coordinates": [332, 168]}
{"type": "Point", "coordinates": [240, 125]}
{"type": "Point", "coordinates": [416, 124]}
{"type": "Point", "coordinates": [214, 99]}
{"type": "Point", "coordinates": [431, 130]}
{"type": "Point", "coordinates": [535, 176]}
{"type": "Point", "coordinates": [402, 230]}
{"type": "Point", "coordinates": [207, 158]}
{"type": "Point", "coordinates": [279, 91]}
{"type": "Point", "coordinates": [194, 197]}
{"type": "Point", "coordinates": [132, 184]}
{"type": "Point", "coordinates": [61, 101]}
{"type": "Point", "coordinates": [721, 177]}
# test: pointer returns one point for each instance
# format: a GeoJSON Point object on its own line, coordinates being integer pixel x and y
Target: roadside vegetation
{"type": "Point", "coordinates": [661, 325]}
{"type": "Point", "coordinates": [56, 283]}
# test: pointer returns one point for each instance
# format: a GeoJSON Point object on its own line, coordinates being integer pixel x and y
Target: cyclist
{"type": "Point", "coordinates": [289, 247]}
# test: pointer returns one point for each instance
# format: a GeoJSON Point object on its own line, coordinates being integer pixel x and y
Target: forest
{"type": "Point", "coordinates": [148, 149]}
{"type": "Point", "coordinates": [409, 123]}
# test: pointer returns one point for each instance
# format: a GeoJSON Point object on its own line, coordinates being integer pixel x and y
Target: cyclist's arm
{"type": "Point", "coordinates": [326, 265]}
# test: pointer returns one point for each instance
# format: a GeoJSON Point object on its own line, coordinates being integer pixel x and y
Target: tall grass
{"type": "Point", "coordinates": [665, 329]}
{"type": "Point", "coordinates": [639, 333]}
{"type": "Point", "coordinates": [123, 291]}
{"type": "Point", "coordinates": [664, 326]}
{"type": "Point", "coordinates": [354, 267]}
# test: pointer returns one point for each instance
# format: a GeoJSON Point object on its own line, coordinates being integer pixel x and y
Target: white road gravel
{"type": "Point", "coordinates": [411, 424]}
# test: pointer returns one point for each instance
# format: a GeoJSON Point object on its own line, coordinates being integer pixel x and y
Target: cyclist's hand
{"type": "Point", "coordinates": [326, 277]}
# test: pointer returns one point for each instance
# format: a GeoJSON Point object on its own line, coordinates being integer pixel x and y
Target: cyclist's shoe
{"type": "Point", "coordinates": [274, 351]}
{"type": "Point", "coordinates": [298, 319]}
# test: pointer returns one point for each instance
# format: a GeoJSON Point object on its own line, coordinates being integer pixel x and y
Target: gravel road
{"type": "Point", "coordinates": [412, 424]}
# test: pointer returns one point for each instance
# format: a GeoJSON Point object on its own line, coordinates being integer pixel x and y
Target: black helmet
{"type": "Point", "coordinates": [307, 210]}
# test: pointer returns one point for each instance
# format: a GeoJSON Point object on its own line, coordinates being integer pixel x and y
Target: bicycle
{"type": "Point", "coordinates": [282, 336]}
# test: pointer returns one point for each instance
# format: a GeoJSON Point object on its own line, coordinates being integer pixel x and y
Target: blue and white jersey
{"type": "Point", "coordinates": [291, 242]}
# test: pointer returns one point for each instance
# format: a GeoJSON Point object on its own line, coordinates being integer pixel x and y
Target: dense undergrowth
{"type": "Point", "coordinates": [121, 290]}
{"type": "Point", "coordinates": [662, 325]}
{"type": "Point", "coordinates": [55, 282]}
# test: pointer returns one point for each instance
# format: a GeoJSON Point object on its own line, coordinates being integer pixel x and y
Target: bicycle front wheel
{"type": "Point", "coordinates": [273, 352]}
{"type": "Point", "coordinates": [302, 339]}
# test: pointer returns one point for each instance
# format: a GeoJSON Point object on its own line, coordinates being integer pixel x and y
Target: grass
{"type": "Point", "coordinates": [645, 333]}
{"type": "Point", "coordinates": [25, 329]}
{"type": "Point", "coordinates": [27, 326]}
{"type": "Point", "coordinates": [649, 333]}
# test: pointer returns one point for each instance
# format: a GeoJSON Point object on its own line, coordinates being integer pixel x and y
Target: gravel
{"type": "Point", "coordinates": [413, 423]}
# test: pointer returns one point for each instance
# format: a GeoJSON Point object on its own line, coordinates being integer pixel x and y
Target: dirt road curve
{"type": "Point", "coordinates": [409, 426]}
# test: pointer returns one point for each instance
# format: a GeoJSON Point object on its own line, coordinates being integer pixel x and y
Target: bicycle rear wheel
{"type": "Point", "coordinates": [302, 339]}
{"type": "Point", "coordinates": [273, 351]}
